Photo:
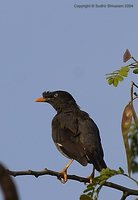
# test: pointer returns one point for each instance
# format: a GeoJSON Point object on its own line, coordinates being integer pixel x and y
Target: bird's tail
{"type": "Point", "coordinates": [98, 162]}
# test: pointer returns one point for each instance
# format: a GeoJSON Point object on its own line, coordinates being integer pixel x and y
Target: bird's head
{"type": "Point", "coordinates": [60, 100]}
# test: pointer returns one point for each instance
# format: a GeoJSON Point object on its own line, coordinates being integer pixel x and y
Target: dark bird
{"type": "Point", "coordinates": [74, 133]}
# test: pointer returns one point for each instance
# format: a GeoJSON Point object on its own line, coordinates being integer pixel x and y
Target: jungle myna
{"type": "Point", "coordinates": [74, 133]}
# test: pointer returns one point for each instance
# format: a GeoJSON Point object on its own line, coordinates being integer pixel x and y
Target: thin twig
{"type": "Point", "coordinates": [130, 178]}
{"type": "Point", "coordinates": [135, 85]}
{"type": "Point", "coordinates": [134, 59]}
{"type": "Point", "coordinates": [133, 110]}
{"type": "Point", "coordinates": [124, 196]}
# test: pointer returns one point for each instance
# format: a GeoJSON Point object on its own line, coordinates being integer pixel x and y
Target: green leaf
{"type": "Point", "coordinates": [135, 71]}
{"type": "Point", "coordinates": [120, 78]}
{"type": "Point", "coordinates": [125, 68]}
{"type": "Point", "coordinates": [92, 191]}
{"type": "Point", "coordinates": [110, 81]}
{"type": "Point", "coordinates": [85, 197]}
{"type": "Point", "coordinates": [115, 82]}
{"type": "Point", "coordinates": [89, 188]}
{"type": "Point", "coordinates": [124, 71]}
{"type": "Point", "coordinates": [118, 75]}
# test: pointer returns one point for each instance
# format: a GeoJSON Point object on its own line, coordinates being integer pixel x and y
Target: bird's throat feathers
{"type": "Point", "coordinates": [65, 106]}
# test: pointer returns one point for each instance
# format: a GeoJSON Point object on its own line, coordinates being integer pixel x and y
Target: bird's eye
{"type": "Point", "coordinates": [55, 95]}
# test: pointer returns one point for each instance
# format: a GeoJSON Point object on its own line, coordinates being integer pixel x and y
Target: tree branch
{"type": "Point", "coordinates": [126, 191]}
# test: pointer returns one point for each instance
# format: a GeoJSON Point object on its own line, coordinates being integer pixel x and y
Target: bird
{"type": "Point", "coordinates": [74, 133]}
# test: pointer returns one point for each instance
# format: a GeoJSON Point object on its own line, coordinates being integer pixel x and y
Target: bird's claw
{"type": "Point", "coordinates": [63, 173]}
{"type": "Point", "coordinates": [63, 178]}
{"type": "Point", "coordinates": [90, 179]}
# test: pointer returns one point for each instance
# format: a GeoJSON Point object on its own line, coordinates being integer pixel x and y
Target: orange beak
{"type": "Point", "coordinates": [41, 99]}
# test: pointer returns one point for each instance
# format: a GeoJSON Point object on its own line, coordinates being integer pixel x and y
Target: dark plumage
{"type": "Point", "coordinates": [74, 133]}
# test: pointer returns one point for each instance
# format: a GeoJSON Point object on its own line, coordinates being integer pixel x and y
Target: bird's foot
{"type": "Point", "coordinates": [63, 178]}
{"type": "Point", "coordinates": [90, 179]}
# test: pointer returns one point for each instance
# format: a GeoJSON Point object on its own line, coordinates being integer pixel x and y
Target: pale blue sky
{"type": "Point", "coordinates": [50, 45]}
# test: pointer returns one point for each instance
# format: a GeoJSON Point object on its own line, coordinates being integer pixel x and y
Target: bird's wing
{"type": "Point", "coordinates": [66, 137]}
{"type": "Point", "coordinates": [90, 139]}
{"type": "Point", "coordinates": [89, 135]}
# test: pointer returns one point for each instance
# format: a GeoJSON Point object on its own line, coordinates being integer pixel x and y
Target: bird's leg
{"type": "Point", "coordinates": [91, 177]}
{"type": "Point", "coordinates": [64, 172]}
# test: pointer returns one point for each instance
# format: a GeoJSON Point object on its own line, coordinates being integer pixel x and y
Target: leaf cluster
{"type": "Point", "coordinates": [118, 76]}
{"type": "Point", "coordinates": [92, 191]}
